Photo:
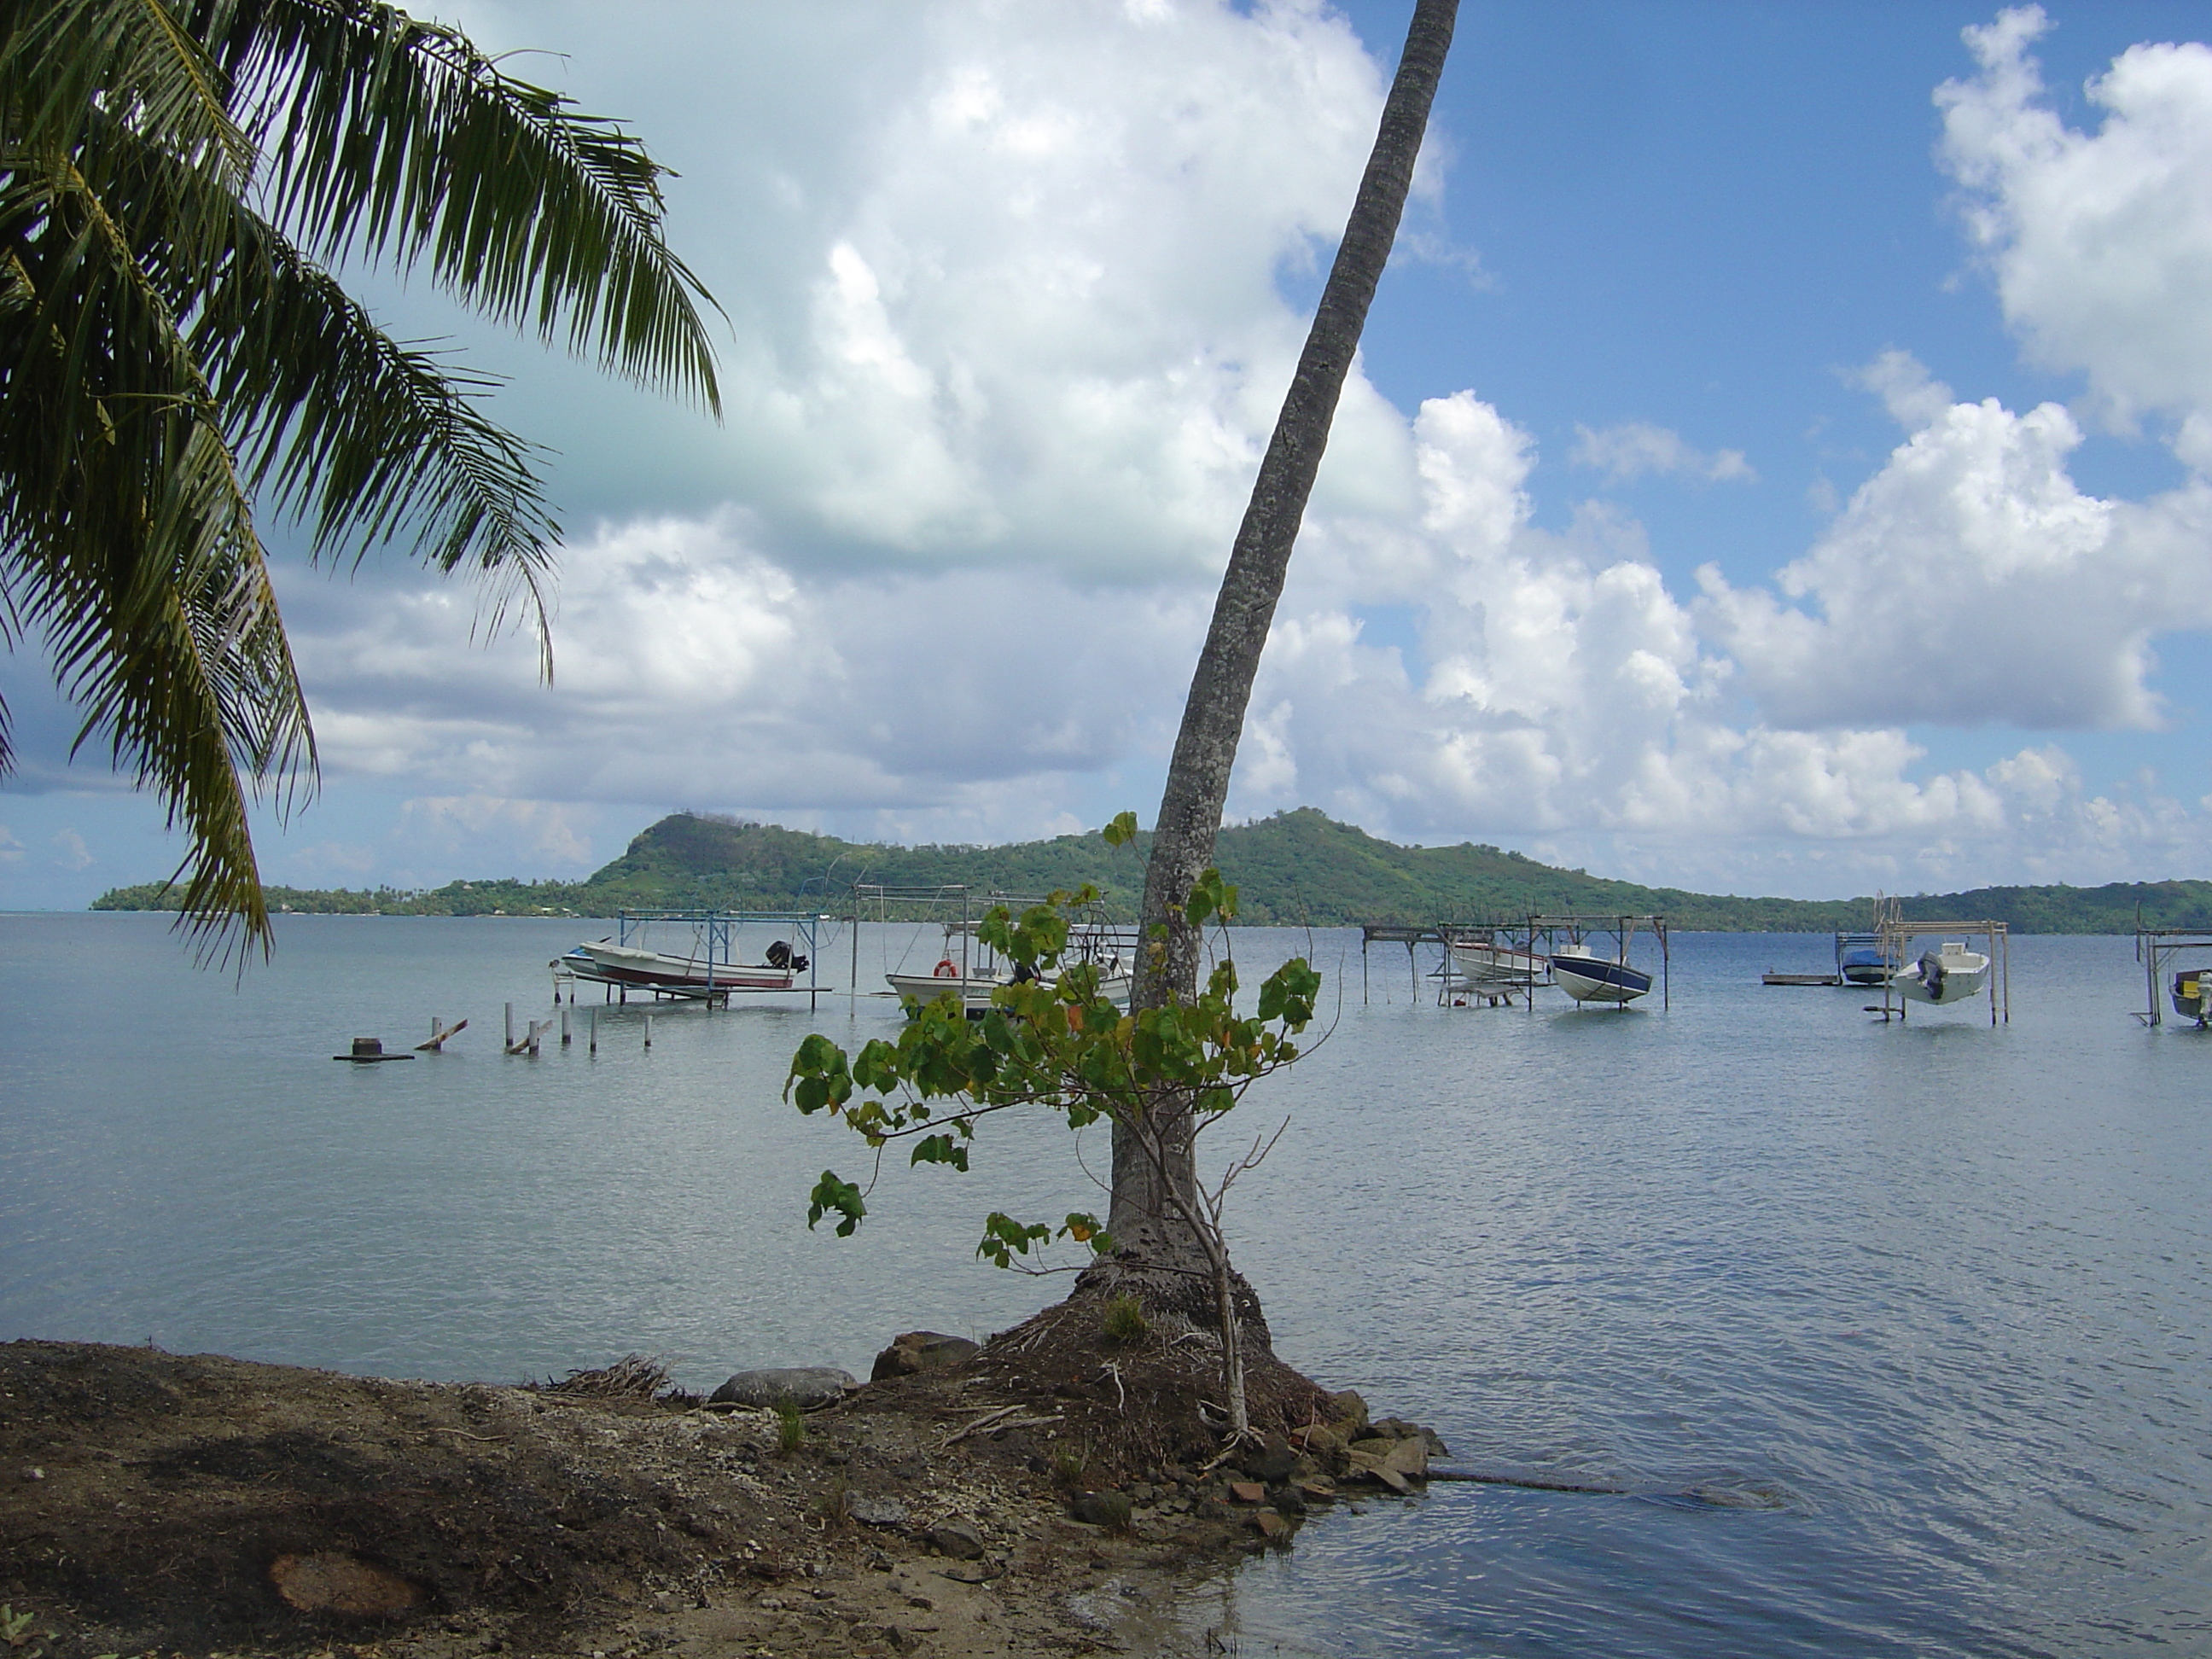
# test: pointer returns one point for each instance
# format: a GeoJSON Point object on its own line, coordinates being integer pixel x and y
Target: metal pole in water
{"type": "Point", "coordinates": [564, 1025]}
{"type": "Point", "coordinates": [648, 1030]}
{"type": "Point", "coordinates": [510, 1024]}
{"type": "Point", "coordinates": [595, 1031]}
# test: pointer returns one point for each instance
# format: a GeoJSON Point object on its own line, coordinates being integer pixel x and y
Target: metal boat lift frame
{"type": "Point", "coordinates": [2158, 948]}
{"type": "Point", "coordinates": [1512, 935]}
{"type": "Point", "coordinates": [1897, 938]}
{"type": "Point", "coordinates": [975, 904]}
{"type": "Point", "coordinates": [1623, 928]}
{"type": "Point", "coordinates": [1444, 935]}
{"type": "Point", "coordinates": [1383, 932]}
{"type": "Point", "coordinates": [718, 930]}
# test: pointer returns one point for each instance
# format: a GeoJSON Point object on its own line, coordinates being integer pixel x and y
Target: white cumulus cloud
{"type": "Point", "coordinates": [2100, 241]}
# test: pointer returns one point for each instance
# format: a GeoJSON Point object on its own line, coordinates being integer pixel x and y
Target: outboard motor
{"type": "Point", "coordinates": [779, 956]}
{"type": "Point", "coordinates": [1931, 976]}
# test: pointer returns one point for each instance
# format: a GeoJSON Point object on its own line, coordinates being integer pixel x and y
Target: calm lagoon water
{"type": "Point", "coordinates": [1898, 1337]}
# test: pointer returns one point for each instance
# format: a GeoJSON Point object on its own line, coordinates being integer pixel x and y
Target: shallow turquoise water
{"type": "Point", "coordinates": [1898, 1336]}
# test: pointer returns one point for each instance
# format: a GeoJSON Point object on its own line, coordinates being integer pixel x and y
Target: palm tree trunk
{"type": "Point", "coordinates": [1143, 1222]}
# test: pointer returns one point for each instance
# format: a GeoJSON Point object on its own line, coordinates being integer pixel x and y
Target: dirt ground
{"type": "Point", "coordinates": [153, 1502]}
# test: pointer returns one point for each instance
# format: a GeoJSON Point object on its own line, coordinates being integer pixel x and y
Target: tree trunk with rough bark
{"type": "Point", "coordinates": [1154, 1241]}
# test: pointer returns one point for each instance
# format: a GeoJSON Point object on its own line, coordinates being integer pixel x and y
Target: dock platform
{"type": "Point", "coordinates": [1800, 979]}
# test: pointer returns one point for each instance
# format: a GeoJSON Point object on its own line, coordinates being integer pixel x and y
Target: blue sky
{"type": "Point", "coordinates": [1777, 462]}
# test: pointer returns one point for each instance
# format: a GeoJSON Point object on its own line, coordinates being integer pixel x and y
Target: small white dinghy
{"type": "Point", "coordinates": [1949, 974]}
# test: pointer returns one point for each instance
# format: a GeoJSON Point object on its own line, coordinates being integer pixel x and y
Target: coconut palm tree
{"type": "Point", "coordinates": [1144, 1221]}
{"type": "Point", "coordinates": [177, 180]}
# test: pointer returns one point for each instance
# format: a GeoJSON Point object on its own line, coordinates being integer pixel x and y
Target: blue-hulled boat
{"type": "Point", "coordinates": [1588, 977]}
{"type": "Point", "coordinates": [1860, 960]}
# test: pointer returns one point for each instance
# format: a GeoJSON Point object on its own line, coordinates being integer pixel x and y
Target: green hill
{"type": "Point", "coordinates": [1296, 868]}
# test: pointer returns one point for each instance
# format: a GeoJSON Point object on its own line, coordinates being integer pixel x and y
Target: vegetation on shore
{"type": "Point", "coordinates": [1296, 868]}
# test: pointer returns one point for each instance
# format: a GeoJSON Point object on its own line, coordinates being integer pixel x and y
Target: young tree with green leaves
{"type": "Point", "coordinates": [177, 178]}
{"type": "Point", "coordinates": [1159, 1077]}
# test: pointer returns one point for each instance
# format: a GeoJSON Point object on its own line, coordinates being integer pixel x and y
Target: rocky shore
{"type": "Point", "coordinates": [1040, 1495]}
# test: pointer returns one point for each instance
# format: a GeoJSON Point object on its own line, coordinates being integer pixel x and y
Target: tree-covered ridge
{"type": "Point", "coordinates": [1296, 868]}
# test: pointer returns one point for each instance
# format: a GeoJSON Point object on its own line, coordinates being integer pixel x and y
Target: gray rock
{"type": "Point", "coordinates": [805, 1386]}
{"type": "Point", "coordinates": [878, 1511]}
{"type": "Point", "coordinates": [921, 1351]}
{"type": "Point", "coordinates": [957, 1540]}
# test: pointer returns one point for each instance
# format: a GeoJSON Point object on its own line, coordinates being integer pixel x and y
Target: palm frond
{"type": "Point", "coordinates": [130, 546]}
{"type": "Point", "coordinates": [369, 440]}
{"type": "Point", "coordinates": [171, 350]}
{"type": "Point", "coordinates": [396, 140]}
{"type": "Point", "coordinates": [68, 65]}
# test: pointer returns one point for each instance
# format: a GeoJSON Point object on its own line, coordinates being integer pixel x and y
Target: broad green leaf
{"type": "Point", "coordinates": [830, 1194]}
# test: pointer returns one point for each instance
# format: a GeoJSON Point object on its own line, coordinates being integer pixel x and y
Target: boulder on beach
{"type": "Point", "coordinates": [921, 1351]}
{"type": "Point", "coordinates": [804, 1385]}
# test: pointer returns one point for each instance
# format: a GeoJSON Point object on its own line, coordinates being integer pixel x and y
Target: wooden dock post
{"type": "Point", "coordinates": [439, 1033]}
{"type": "Point", "coordinates": [510, 1027]}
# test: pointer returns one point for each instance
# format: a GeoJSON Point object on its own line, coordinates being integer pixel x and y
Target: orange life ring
{"type": "Point", "coordinates": [945, 969]}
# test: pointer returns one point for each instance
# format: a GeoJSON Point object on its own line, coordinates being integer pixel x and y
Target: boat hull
{"type": "Point", "coordinates": [1593, 979]}
{"type": "Point", "coordinates": [2189, 995]}
{"type": "Point", "coordinates": [1496, 965]}
{"type": "Point", "coordinates": [1862, 964]}
{"type": "Point", "coordinates": [974, 993]}
{"type": "Point", "coordinates": [630, 967]}
{"type": "Point", "coordinates": [1944, 977]}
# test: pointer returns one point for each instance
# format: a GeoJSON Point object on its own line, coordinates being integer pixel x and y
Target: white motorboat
{"type": "Point", "coordinates": [1589, 977]}
{"type": "Point", "coordinates": [1490, 963]}
{"type": "Point", "coordinates": [605, 963]}
{"type": "Point", "coordinates": [971, 970]}
{"type": "Point", "coordinates": [1949, 974]}
{"type": "Point", "coordinates": [973, 989]}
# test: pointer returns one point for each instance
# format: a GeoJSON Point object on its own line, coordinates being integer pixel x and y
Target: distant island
{"type": "Point", "coordinates": [1296, 868]}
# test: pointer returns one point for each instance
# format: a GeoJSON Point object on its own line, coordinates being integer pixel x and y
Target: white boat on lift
{"type": "Point", "coordinates": [970, 971]}
{"type": "Point", "coordinates": [1951, 973]}
{"type": "Point", "coordinates": [1493, 961]}
{"type": "Point", "coordinates": [604, 962]}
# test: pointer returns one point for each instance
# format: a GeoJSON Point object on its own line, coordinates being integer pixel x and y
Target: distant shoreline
{"type": "Point", "coordinates": [1295, 868]}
